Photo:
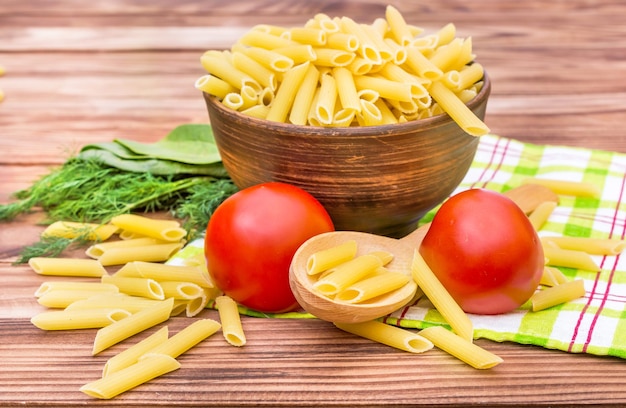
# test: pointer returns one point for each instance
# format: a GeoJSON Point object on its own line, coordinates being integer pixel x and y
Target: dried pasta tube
{"type": "Point", "coordinates": [342, 276]}
{"type": "Point", "coordinates": [131, 355]}
{"type": "Point", "coordinates": [331, 257]}
{"type": "Point", "coordinates": [557, 295]}
{"type": "Point", "coordinates": [161, 229]}
{"type": "Point", "coordinates": [91, 231]}
{"type": "Point", "coordinates": [231, 321]}
{"type": "Point", "coordinates": [389, 335]}
{"type": "Point", "coordinates": [67, 267]}
{"type": "Point", "coordinates": [460, 348]}
{"type": "Point", "coordinates": [186, 338]}
{"type": "Point", "coordinates": [130, 377]}
{"type": "Point", "coordinates": [78, 319]}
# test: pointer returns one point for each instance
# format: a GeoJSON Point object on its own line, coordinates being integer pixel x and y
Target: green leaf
{"type": "Point", "coordinates": [190, 143]}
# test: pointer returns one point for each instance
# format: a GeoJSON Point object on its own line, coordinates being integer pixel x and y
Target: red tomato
{"type": "Point", "coordinates": [485, 252]}
{"type": "Point", "coordinates": [251, 238]}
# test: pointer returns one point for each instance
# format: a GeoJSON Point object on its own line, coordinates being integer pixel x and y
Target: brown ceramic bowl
{"type": "Point", "coordinates": [378, 179]}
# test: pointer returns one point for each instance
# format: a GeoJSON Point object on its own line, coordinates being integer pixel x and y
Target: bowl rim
{"type": "Point", "coordinates": [290, 128]}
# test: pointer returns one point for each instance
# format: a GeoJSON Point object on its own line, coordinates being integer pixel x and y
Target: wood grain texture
{"type": "Point", "coordinates": [83, 72]}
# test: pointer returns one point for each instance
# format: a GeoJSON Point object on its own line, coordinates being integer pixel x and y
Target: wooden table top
{"type": "Point", "coordinates": [82, 72]}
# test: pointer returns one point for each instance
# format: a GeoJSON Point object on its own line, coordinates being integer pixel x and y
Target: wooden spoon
{"type": "Point", "coordinates": [527, 197]}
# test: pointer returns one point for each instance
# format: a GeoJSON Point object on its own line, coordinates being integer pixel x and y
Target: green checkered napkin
{"type": "Point", "coordinates": [595, 324]}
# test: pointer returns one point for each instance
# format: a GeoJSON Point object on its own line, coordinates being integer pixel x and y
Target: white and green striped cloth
{"type": "Point", "coordinates": [594, 324]}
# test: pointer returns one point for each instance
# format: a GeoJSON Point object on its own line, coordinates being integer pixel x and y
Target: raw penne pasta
{"type": "Point", "coordinates": [557, 295]}
{"type": "Point", "coordinates": [307, 35]}
{"type": "Point", "coordinates": [67, 267]}
{"type": "Point", "coordinates": [346, 89]}
{"type": "Point", "coordinates": [133, 324]}
{"type": "Point", "coordinates": [304, 98]}
{"type": "Point", "coordinates": [398, 27]}
{"type": "Point", "coordinates": [370, 115]}
{"type": "Point", "coordinates": [331, 257]}
{"type": "Point", "coordinates": [78, 319]}
{"type": "Point", "coordinates": [233, 101]}
{"type": "Point", "coordinates": [214, 86]}
{"type": "Point", "coordinates": [325, 23]}
{"type": "Point", "coordinates": [389, 335]}
{"type": "Point", "coordinates": [457, 110]}
{"type": "Point", "coordinates": [89, 231]}
{"type": "Point", "coordinates": [181, 290]}
{"type": "Point", "coordinates": [372, 287]}
{"type": "Point", "coordinates": [132, 354]}
{"type": "Point", "coordinates": [592, 246]}
{"type": "Point", "coordinates": [421, 65]}
{"type": "Point", "coordinates": [96, 251]}
{"type": "Point", "coordinates": [327, 99]}
{"type": "Point", "coordinates": [257, 111]}
{"type": "Point", "coordinates": [160, 229]}
{"type": "Point", "coordinates": [548, 277]}
{"type": "Point", "coordinates": [132, 304]}
{"type": "Point", "coordinates": [130, 377]}
{"type": "Point", "coordinates": [540, 215]}
{"type": "Point", "coordinates": [446, 55]}
{"type": "Point", "coordinates": [367, 49]}
{"type": "Point", "coordinates": [441, 299]}
{"type": "Point", "coordinates": [569, 258]}
{"type": "Point", "coordinates": [286, 93]}
{"type": "Point", "coordinates": [263, 75]}
{"type": "Point", "coordinates": [385, 52]}
{"type": "Point", "coordinates": [299, 54]}
{"type": "Point", "coordinates": [231, 321]}
{"type": "Point", "coordinates": [148, 288]}
{"type": "Point", "coordinates": [386, 115]}
{"type": "Point", "coordinates": [146, 253]}
{"type": "Point", "coordinates": [347, 273]}
{"type": "Point", "coordinates": [573, 188]}
{"type": "Point", "coordinates": [270, 59]}
{"type": "Point", "coordinates": [165, 272]}
{"type": "Point", "coordinates": [186, 338]}
{"type": "Point", "coordinates": [398, 91]}
{"type": "Point", "coordinates": [445, 35]}
{"type": "Point", "coordinates": [342, 41]}
{"type": "Point", "coordinates": [399, 52]}
{"type": "Point", "coordinates": [469, 75]}
{"type": "Point", "coordinates": [330, 57]}
{"type": "Point", "coordinates": [61, 299]}
{"type": "Point", "coordinates": [266, 40]}
{"type": "Point", "coordinates": [460, 348]}
{"type": "Point", "coordinates": [225, 70]}
{"type": "Point", "coordinates": [96, 287]}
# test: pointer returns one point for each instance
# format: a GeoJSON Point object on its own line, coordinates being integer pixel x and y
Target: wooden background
{"type": "Point", "coordinates": [89, 71]}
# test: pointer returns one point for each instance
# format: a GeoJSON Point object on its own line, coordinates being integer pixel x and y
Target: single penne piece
{"type": "Point", "coordinates": [326, 23]}
{"type": "Point", "coordinates": [133, 324]}
{"type": "Point", "coordinates": [130, 377]}
{"type": "Point", "coordinates": [458, 111]}
{"type": "Point", "coordinates": [384, 256]}
{"type": "Point", "coordinates": [78, 319]}
{"type": "Point", "coordinates": [266, 40]}
{"type": "Point", "coordinates": [389, 335]}
{"type": "Point", "coordinates": [387, 116]}
{"type": "Point", "coordinates": [469, 75]}
{"type": "Point", "coordinates": [224, 70]}
{"type": "Point", "coordinates": [441, 299]}
{"type": "Point", "coordinates": [181, 290]}
{"type": "Point", "coordinates": [233, 100]}
{"type": "Point", "coordinates": [131, 355]}
{"type": "Point", "coordinates": [399, 91]}
{"type": "Point", "coordinates": [180, 305]}
{"type": "Point", "coordinates": [67, 267]}
{"type": "Point", "coordinates": [186, 338]}
{"type": "Point", "coordinates": [96, 251]}
{"type": "Point", "coordinates": [299, 53]}
{"type": "Point", "coordinates": [260, 73]}
{"type": "Point", "coordinates": [61, 299]}
{"type": "Point", "coordinates": [165, 272]}
{"type": "Point", "coordinates": [286, 94]}
{"type": "Point", "coordinates": [460, 348]}
{"type": "Point", "coordinates": [592, 246]}
{"type": "Point", "coordinates": [257, 111]}
{"type": "Point", "coordinates": [346, 89]}
{"type": "Point", "coordinates": [195, 306]}
{"type": "Point", "coordinates": [342, 41]}
{"type": "Point", "coordinates": [304, 98]}
{"type": "Point", "coordinates": [540, 215]}
{"type": "Point", "coordinates": [548, 278]}
{"type": "Point", "coordinates": [569, 258]}
{"type": "Point", "coordinates": [446, 55]}
{"type": "Point", "coordinates": [331, 257]}
{"type": "Point", "coordinates": [147, 253]}
{"type": "Point", "coordinates": [421, 65]}
{"type": "Point", "coordinates": [132, 304]}
{"type": "Point", "coordinates": [272, 60]}
{"type": "Point", "coordinates": [307, 35]}
{"type": "Point", "coordinates": [214, 86]}
{"type": "Point", "coordinates": [165, 230]}
{"type": "Point", "coordinates": [399, 52]}
{"type": "Point", "coordinates": [268, 28]}
{"type": "Point", "coordinates": [445, 35]}
{"type": "Point", "coordinates": [398, 27]}
{"type": "Point", "coordinates": [326, 99]}
{"type": "Point", "coordinates": [557, 295]}
{"type": "Point", "coordinates": [360, 66]}
{"type": "Point", "coordinates": [370, 115]}
{"type": "Point", "coordinates": [330, 57]}
{"type": "Point", "coordinates": [345, 274]}
{"type": "Point", "coordinates": [366, 49]}
{"type": "Point", "coordinates": [88, 231]}
{"type": "Point", "coordinates": [231, 321]}
{"type": "Point", "coordinates": [148, 288]}
{"type": "Point", "coordinates": [372, 287]}
{"type": "Point", "coordinates": [563, 187]}
{"type": "Point", "coordinates": [96, 287]}
{"type": "Point", "coordinates": [385, 52]}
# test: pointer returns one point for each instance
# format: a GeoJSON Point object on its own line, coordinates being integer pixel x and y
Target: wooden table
{"type": "Point", "coordinates": [81, 72]}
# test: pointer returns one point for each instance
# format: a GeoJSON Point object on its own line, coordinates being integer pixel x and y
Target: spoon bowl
{"type": "Point", "coordinates": [527, 197]}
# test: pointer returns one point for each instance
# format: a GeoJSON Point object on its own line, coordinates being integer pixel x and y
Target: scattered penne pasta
{"type": "Point", "coordinates": [557, 295]}
{"type": "Point", "coordinates": [132, 354]}
{"type": "Point", "coordinates": [231, 321]}
{"type": "Point", "coordinates": [89, 231]}
{"type": "Point", "coordinates": [573, 188]}
{"type": "Point", "coordinates": [389, 335]}
{"type": "Point", "coordinates": [67, 267]}
{"type": "Point", "coordinates": [592, 246]}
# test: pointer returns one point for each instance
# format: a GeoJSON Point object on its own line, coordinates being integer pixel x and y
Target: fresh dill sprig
{"type": "Point", "coordinates": [86, 190]}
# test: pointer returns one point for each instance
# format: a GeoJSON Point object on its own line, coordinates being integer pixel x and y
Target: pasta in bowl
{"type": "Point", "coordinates": [376, 121]}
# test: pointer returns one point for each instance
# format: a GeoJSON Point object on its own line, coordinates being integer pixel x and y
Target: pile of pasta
{"type": "Point", "coordinates": [337, 72]}
{"type": "Point", "coordinates": [141, 294]}
{"type": "Point", "coordinates": [346, 277]}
